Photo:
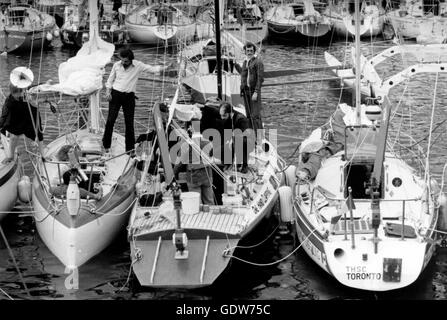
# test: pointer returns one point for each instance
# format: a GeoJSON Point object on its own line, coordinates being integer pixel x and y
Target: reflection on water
{"type": "Point", "coordinates": [293, 110]}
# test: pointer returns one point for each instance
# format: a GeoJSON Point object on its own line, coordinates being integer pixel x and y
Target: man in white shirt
{"type": "Point", "coordinates": [121, 86]}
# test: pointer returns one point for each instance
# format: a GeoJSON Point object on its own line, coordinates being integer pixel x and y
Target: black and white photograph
{"type": "Point", "coordinates": [223, 156]}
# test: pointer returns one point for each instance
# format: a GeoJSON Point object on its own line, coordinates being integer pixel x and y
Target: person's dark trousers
{"type": "Point", "coordinates": [253, 109]}
{"type": "Point", "coordinates": [127, 101]}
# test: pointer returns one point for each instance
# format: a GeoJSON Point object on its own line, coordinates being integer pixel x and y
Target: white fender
{"type": "Point", "coordinates": [285, 203]}
{"type": "Point", "coordinates": [24, 189]}
{"type": "Point", "coordinates": [290, 174]}
{"type": "Point", "coordinates": [442, 219]}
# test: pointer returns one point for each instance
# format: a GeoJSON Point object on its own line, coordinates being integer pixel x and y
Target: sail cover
{"type": "Point", "coordinates": [83, 73]}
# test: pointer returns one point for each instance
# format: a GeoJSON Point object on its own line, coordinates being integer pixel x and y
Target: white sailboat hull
{"type": "Point", "coordinates": [346, 27]}
{"type": "Point", "coordinates": [426, 30]}
{"type": "Point", "coordinates": [74, 246]}
{"type": "Point", "coordinates": [8, 188]}
{"type": "Point", "coordinates": [350, 268]}
{"type": "Point", "coordinates": [76, 239]}
{"type": "Point", "coordinates": [155, 34]}
{"type": "Point", "coordinates": [344, 24]}
{"type": "Point", "coordinates": [255, 33]}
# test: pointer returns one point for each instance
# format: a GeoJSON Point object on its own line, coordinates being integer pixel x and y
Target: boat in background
{"type": "Point", "coordinates": [160, 22]}
{"type": "Point", "coordinates": [299, 21]}
{"type": "Point", "coordinates": [75, 32]}
{"type": "Point", "coordinates": [425, 22]}
{"type": "Point", "coordinates": [245, 22]}
{"type": "Point", "coordinates": [341, 15]}
{"type": "Point", "coordinates": [25, 29]}
{"type": "Point", "coordinates": [54, 8]}
{"type": "Point", "coordinates": [198, 63]}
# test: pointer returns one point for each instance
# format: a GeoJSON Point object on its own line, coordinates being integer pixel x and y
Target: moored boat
{"type": "Point", "coordinates": [77, 221]}
{"type": "Point", "coordinates": [424, 22]}
{"type": "Point", "coordinates": [25, 28]}
{"type": "Point", "coordinates": [299, 21]}
{"type": "Point", "coordinates": [160, 22]}
{"type": "Point", "coordinates": [55, 8]}
{"type": "Point", "coordinates": [363, 213]}
{"type": "Point", "coordinates": [341, 15]}
{"type": "Point", "coordinates": [246, 23]}
{"type": "Point", "coordinates": [9, 179]}
{"type": "Point", "coordinates": [182, 244]}
{"type": "Point", "coordinates": [75, 31]}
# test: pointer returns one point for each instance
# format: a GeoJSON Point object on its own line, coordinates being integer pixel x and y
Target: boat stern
{"type": "Point", "coordinates": [156, 262]}
{"type": "Point", "coordinates": [392, 267]}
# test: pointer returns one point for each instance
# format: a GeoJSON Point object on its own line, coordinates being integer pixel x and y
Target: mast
{"type": "Point", "coordinates": [93, 35]}
{"type": "Point", "coordinates": [358, 70]}
{"type": "Point", "coordinates": [218, 48]}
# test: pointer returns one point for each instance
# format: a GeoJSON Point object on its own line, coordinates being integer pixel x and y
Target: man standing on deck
{"type": "Point", "coordinates": [252, 77]}
{"type": "Point", "coordinates": [121, 86]}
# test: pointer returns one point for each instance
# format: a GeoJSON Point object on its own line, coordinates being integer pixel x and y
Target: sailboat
{"type": "Point", "coordinates": [25, 28]}
{"type": "Point", "coordinates": [425, 22]}
{"type": "Point", "coordinates": [299, 21]}
{"type": "Point", "coordinates": [9, 179]}
{"type": "Point", "coordinates": [175, 241]}
{"type": "Point", "coordinates": [365, 216]}
{"type": "Point", "coordinates": [159, 22]}
{"type": "Point", "coordinates": [245, 21]}
{"type": "Point", "coordinates": [74, 31]}
{"type": "Point", "coordinates": [341, 15]}
{"type": "Point", "coordinates": [75, 228]}
{"type": "Point", "coordinates": [54, 8]}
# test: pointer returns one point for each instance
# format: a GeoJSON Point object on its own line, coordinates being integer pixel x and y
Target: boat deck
{"type": "Point", "coordinates": [218, 219]}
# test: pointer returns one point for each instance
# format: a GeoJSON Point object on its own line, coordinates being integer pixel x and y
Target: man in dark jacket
{"type": "Point", "coordinates": [238, 136]}
{"type": "Point", "coordinates": [252, 77]}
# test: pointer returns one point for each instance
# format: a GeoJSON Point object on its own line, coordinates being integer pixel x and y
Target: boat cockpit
{"type": "Point", "coordinates": [360, 154]}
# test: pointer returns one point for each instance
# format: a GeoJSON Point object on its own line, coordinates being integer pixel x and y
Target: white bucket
{"type": "Point", "coordinates": [190, 202]}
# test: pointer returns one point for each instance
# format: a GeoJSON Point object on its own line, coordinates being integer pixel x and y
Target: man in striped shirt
{"type": "Point", "coordinates": [121, 86]}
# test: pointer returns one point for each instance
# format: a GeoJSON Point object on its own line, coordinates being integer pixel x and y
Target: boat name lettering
{"type": "Point", "coordinates": [356, 269]}
{"type": "Point", "coordinates": [364, 276]}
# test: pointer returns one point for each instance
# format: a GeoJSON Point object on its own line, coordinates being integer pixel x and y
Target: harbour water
{"type": "Point", "coordinates": [293, 110]}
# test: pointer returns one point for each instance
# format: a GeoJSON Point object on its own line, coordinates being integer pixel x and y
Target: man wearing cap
{"type": "Point", "coordinates": [18, 116]}
{"type": "Point", "coordinates": [121, 86]}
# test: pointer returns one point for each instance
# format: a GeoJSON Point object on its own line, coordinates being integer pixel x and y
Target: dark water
{"type": "Point", "coordinates": [293, 110]}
